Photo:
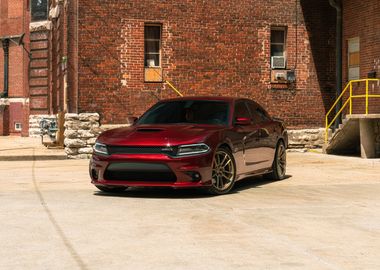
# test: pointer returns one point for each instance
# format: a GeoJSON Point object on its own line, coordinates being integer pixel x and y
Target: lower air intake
{"type": "Point", "coordinates": [144, 172]}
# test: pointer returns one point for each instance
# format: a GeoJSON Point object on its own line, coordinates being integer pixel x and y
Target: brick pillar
{"type": "Point", "coordinates": [4, 120]}
{"type": "Point", "coordinates": [25, 120]}
{"type": "Point", "coordinates": [39, 82]}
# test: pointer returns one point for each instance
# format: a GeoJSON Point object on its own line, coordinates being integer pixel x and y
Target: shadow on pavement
{"type": "Point", "coordinates": [189, 193]}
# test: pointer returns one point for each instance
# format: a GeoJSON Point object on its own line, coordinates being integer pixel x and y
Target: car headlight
{"type": "Point", "coordinates": [192, 149]}
{"type": "Point", "coordinates": [100, 148]}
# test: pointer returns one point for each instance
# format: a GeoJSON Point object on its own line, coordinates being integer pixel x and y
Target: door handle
{"type": "Point", "coordinates": [258, 135]}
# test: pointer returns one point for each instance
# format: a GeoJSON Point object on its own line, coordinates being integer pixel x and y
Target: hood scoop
{"type": "Point", "coordinates": [149, 129]}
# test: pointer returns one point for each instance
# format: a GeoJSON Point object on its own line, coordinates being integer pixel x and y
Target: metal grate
{"type": "Point", "coordinates": [147, 172]}
{"type": "Point", "coordinates": [140, 150]}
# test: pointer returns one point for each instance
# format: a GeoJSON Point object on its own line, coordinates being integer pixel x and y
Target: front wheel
{"type": "Point", "coordinates": [111, 189]}
{"type": "Point", "coordinates": [279, 163]}
{"type": "Point", "coordinates": [223, 172]}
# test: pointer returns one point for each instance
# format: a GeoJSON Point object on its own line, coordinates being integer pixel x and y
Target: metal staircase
{"type": "Point", "coordinates": [360, 128]}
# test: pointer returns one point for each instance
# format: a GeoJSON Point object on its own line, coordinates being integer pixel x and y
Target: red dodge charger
{"type": "Point", "coordinates": [206, 142]}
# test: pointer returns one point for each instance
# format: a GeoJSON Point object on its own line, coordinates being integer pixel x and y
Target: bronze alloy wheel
{"type": "Point", "coordinates": [281, 161]}
{"type": "Point", "coordinates": [223, 172]}
{"type": "Point", "coordinates": [279, 164]}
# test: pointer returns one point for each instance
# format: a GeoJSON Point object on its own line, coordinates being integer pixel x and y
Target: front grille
{"type": "Point", "coordinates": [133, 171]}
{"type": "Point", "coordinates": [140, 150]}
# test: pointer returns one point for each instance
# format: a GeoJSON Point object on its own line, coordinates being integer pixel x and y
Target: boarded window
{"type": "Point", "coordinates": [39, 10]}
{"type": "Point", "coordinates": [353, 59]}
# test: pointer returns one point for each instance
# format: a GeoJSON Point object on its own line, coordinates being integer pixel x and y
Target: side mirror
{"type": "Point", "coordinates": [132, 120]}
{"type": "Point", "coordinates": [242, 121]}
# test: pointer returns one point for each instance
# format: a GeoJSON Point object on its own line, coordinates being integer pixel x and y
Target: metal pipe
{"type": "Point", "coordinates": [338, 64]}
{"type": "Point", "coordinates": [5, 43]}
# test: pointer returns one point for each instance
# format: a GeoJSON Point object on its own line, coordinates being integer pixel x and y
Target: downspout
{"type": "Point", "coordinates": [5, 43]}
{"type": "Point", "coordinates": [338, 65]}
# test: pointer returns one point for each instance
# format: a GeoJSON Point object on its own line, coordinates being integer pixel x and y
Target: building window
{"type": "Point", "coordinates": [39, 10]}
{"type": "Point", "coordinates": [152, 59]}
{"type": "Point", "coordinates": [278, 48]}
{"type": "Point", "coordinates": [152, 45]}
{"type": "Point", "coordinates": [353, 59]}
{"type": "Point", "coordinates": [18, 127]}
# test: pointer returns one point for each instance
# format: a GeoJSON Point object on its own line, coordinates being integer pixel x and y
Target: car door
{"type": "Point", "coordinates": [266, 141]}
{"type": "Point", "coordinates": [247, 138]}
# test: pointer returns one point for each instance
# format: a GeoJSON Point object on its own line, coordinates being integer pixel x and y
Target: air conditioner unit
{"type": "Point", "coordinates": [278, 62]}
{"type": "Point", "coordinates": [281, 76]}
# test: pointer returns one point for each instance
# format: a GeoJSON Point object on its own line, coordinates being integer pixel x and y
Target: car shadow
{"type": "Point", "coordinates": [188, 193]}
{"type": "Point", "coordinates": [157, 193]}
{"type": "Point", "coordinates": [254, 182]}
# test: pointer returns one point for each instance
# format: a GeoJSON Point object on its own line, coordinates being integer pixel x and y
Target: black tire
{"type": "Point", "coordinates": [223, 172]}
{"type": "Point", "coordinates": [111, 189]}
{"type": "Point", "coordinates": [279, 163]}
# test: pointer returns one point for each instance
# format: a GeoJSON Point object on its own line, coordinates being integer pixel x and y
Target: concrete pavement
{"type": "Point", "coordinates": [325, 215]}
{"type": "Point", "coordinates": [16, 148]}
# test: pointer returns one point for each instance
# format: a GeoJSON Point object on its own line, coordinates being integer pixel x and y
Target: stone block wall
{"type": "Point", "coordinates": [81, 131]}
{"type": "Point", "coordinates": [34, 123]}
{"type": "Point", "coordinates": [306, 138]}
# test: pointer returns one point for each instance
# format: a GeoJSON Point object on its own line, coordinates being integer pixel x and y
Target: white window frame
{"type": "Point", "coordinates": [160, 46]}
{"type": "Point", "coordinates": [279, 28]}
{"type": "Point", "coordinates": [18, 126]}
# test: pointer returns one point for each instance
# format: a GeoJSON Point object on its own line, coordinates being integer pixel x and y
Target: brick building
{"type": "Point", "coordinates": [207, 48]}
{"type": "Point", "coordinates": [38, 68]}
{"type": "Point", "coordinates": [361, 49]}
{"type": "Point", "coordinates": [14, 110]}
{"type": "Point", "coordinates": [113, 57]}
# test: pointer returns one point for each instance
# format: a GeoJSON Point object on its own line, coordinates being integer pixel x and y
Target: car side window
{"type": "Point", "coordinates": [241, 110]}
{"type": "Point", "coordinates": [263, 114]}
{"type": "Point", "coordinates": [258, 113]}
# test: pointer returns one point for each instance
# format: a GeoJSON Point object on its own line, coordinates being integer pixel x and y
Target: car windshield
{"type": "Point", "coordinates": [187, 111]}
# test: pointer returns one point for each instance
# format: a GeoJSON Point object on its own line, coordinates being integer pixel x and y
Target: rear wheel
{"type": "Point", "coordinates": [223, 172]}
{"type": "Point", "coordinates": [279, 163]}
{"type": "Point", "coordinates": [111, 189]}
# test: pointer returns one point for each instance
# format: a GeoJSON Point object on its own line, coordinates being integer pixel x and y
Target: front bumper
{"type": "Point", "coordinates": [184, 172]}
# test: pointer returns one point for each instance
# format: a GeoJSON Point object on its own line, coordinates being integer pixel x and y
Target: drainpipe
{"type": "Point", "coordinates": [5, 43]}
{"type": "Point", "coordinates": [338, 65]}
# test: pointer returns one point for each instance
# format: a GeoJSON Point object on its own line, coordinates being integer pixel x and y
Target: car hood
{"type": "Point", "coordinates": [158, 135]}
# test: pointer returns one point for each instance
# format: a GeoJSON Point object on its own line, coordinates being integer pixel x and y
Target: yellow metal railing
{"type": "Point", "coordinates": [367, 96]}
{"type": "Point", "coordinates": [175, 89]}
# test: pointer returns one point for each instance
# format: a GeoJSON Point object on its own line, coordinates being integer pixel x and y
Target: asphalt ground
{"type": "Point", "coordinates": [324, 215]}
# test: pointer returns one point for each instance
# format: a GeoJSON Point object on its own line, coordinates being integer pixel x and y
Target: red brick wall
{"type": "Point", "coordinates": [361, 19]}
{"type": "Point", "coordinates": [209, 48]}
{"type": "Point", "coordinates": [12, 22]}
{"type": "Point", "coordinates": [14, 18]}
{"type": "Point", "coordinates": [4, 120]}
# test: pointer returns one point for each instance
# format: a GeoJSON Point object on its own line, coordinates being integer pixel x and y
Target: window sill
{"type": "Point", "coordinates": [279, 82]}
{"type": "Point", "coordinates": [40, 26]}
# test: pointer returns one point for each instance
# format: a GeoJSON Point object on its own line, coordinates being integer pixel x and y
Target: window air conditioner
{"type": "Point", "coordinates": [278, 62]}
